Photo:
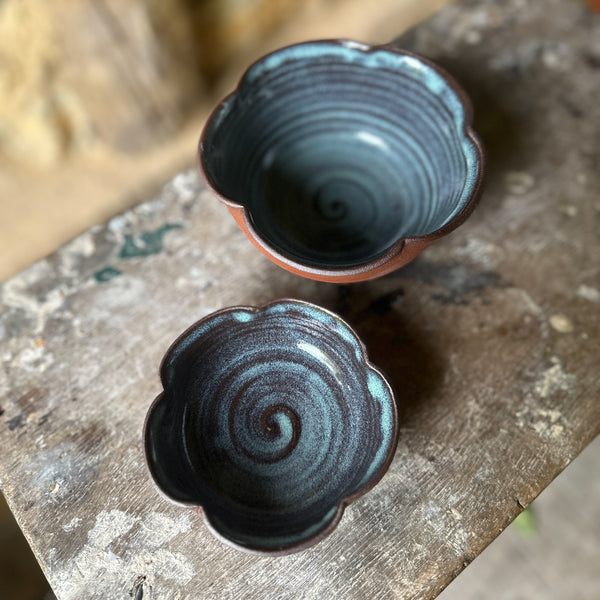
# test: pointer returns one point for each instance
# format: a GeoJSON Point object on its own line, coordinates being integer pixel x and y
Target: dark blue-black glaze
{"type": "Point", "coordinates": [338, 150]}
{"type": "Point", "coordinates": [271, 420]}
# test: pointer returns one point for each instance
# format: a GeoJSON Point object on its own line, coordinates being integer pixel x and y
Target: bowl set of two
{"type": "Point", "coordinates": [341, 162]}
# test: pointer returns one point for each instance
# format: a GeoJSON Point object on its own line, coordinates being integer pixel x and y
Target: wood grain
{"type": "Point", "coordinates": [489, 339]}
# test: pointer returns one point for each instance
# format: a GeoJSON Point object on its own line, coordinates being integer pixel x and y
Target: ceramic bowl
{"type": "Point", "coordinates": [341, 161]}
{"type": "Point", "coordinates": [272, 420]}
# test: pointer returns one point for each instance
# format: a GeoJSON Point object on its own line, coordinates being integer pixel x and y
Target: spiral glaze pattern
{"type": "Point", "coordinates": [338, 150]}
{"type": "Point", "coordinates": [275, 420]}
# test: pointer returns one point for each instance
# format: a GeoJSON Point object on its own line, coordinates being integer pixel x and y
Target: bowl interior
{"type": "Point", "coordinates": [338, 151]}
{"type": "Point", "coordinates": [279, 419]}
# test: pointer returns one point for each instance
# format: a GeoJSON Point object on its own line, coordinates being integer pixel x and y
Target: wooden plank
{"type": "Point", "coordinates": [490, 340]}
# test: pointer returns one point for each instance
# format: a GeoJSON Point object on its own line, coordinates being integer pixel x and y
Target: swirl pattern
{"type": "Point", "coordinates": [339, 150]}
{"type": "Point", "coordinates": [275, 421]}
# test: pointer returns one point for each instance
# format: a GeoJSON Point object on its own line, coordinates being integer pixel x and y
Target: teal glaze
{"type": "Point", "coordinates": [338, 150]}
{"type": "Point", "coordinates": [271, 420]}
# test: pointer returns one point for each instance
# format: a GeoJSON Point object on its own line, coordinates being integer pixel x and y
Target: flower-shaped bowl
{"type": "Point", "coordinates": [341, 161]}
{"type": "Point", "coordinates": [272, 420]}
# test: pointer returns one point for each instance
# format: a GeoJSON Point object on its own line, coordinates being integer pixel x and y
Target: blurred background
{"type": "Point", "coordinates": [102, 101]}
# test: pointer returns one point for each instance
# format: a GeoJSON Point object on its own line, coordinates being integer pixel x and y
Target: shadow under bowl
{"type": "Point", "coordinates": [343, 161]}
{"type": "Point", "coordinates": [272, 420]}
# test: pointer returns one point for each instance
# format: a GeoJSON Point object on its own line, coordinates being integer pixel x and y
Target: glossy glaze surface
{"type": "Point", "coordinates": [336, 152]}
{"type": "Point", "coordinates": [272, 420]}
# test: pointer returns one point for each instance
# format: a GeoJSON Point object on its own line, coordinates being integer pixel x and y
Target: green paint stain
{"type": "Point", "coordinates": [147, 243]}
{"type": "Point", "coordinates": [106, 274]}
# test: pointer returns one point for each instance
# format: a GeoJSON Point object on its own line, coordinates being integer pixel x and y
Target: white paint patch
{"type": "Point", "coordinates": [553, 380]}
{"type": "Point", "coordinates": [548, 424]}
{"type": "Point", "coordinates": [542, 428]}
{"type": "Point", "coordinates": [551, 415]}
{"type": "Point", "coordinates": [158, 529]}
{"type": "Point", "coordinates": [33, 358]}
{"type": "Point", "coordinates": [109, 526]}
{"type": "Point", "coordinates": [71, 525]}
{"type": "Point", "coordinates": [118, 224]}
{"type": "Point", "coordinates": [588, 293]}
{"type": "Point", "coordinates": [71, 254]}
{"type": "Point", "coordinates": [14, 295]}
{"type": "Point", "coordinates": [83, 245]}
{"type": "Point", "coordinates": [458, 539]}
{"type": "Point", "coordinates": [561, 323]}
{"type": "Point", "coordinates": [480, 252]}
{"type": "Point", "coordinates": [185, 185]}
{"type": "Point", "coordinates": [100, 565]}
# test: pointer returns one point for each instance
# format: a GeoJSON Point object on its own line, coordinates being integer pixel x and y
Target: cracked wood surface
{"type": "Point", "coordinates": [490, 340]}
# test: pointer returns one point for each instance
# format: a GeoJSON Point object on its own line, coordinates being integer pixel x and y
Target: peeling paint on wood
{"type": "Point", "coordinates": [146, 243]}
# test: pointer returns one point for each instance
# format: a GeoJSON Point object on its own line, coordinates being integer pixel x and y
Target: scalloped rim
{"type": "Point", "coordinates": [360, 271]}
{"type": "Point", "coordinates": [344, 502]}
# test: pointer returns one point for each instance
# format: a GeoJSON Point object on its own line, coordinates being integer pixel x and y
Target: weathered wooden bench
{"type": "Point", "coordinates": [491, 340]}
